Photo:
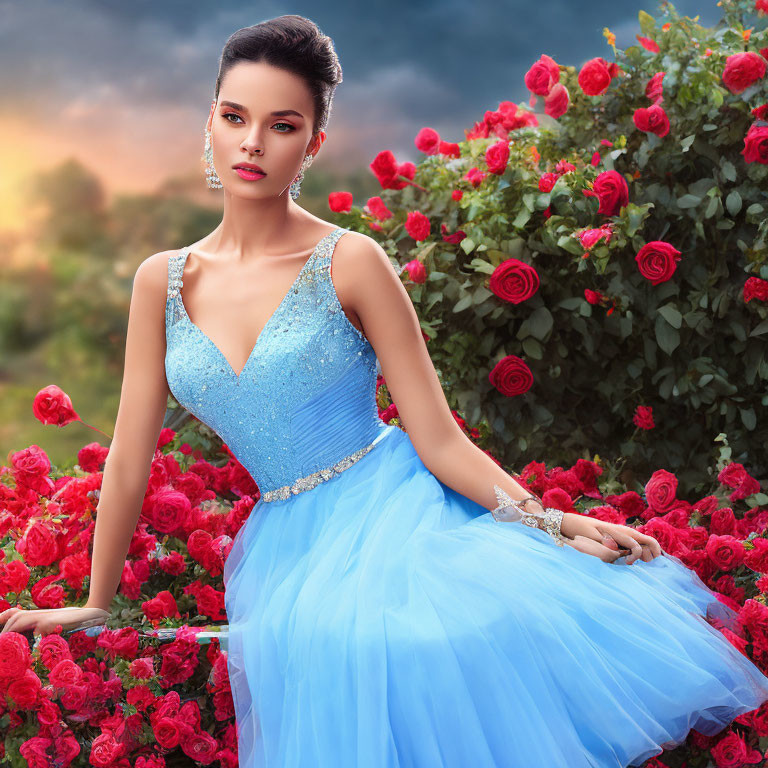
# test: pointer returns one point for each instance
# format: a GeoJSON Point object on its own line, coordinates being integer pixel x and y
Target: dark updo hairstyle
{"type": "Point", "coordinates": [292, 43]}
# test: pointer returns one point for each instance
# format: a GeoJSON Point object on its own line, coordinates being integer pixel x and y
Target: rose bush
{"type": "Point", "coordinates": [610, 252]}
{"type": "Point", "coordinates": [125, 696]}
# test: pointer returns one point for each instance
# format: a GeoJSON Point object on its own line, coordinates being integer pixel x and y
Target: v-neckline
{"type": "Point", "coordinates": [184, 253]}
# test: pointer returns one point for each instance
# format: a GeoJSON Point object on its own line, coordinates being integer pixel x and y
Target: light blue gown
{"type": "Point", "coordinates": [379, 619]}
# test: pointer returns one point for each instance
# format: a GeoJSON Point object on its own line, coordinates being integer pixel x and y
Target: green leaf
{"type": "Point", "coordinates": [733, 202]}
{"type": "Point", "coordinates": [666, 336]}
{"type": "Point", "coordinates": [540, 322]}
{"type": "Point", "coordinates": [748, 418]}
{"type": "Point", "coordinates": [463, 303]}
{"type": "Point", "coordinates": [688, 201]}
{"type": "Point", "coordinates": [712, 206]}
{"type": "Point", "coordinates": [522, 218]}
{"type": "Point", "coordinates": [647, 23]}
{"type": "Point", "coordinates": [467, 245]}
{"type": "Point", "coordinates": [759, 329]}
{"type": "Point", "coordinates": [671, 315]}
{"type": "Point", "coordinates": [728, 169]}
{"type": "Point", "coordinates": [687, 141]}
{"type": "Point", "coordinates": [532, 348]}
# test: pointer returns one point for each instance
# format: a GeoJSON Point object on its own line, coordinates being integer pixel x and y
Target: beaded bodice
{"type": "Point", "coordinates": [305, 399]}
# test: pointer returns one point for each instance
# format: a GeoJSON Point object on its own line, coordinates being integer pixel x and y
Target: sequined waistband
{"type": "Point", "coordinates": [310, 481]}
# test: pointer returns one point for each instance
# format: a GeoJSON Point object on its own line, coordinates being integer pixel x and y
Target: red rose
{"type": "Point", "coordinates": [417, 273]}
{"type": "Point", "coordinates": [169, 510]}
{"type": "Point", "coordinates": [611, 189]}
{"type": "Point", "coordinates": [496, 157]}
{"type": "Point", "coordinates": [755, 288]}
{"type": "Point", "coordinates": [722, 522]}
{"type": "Point", "coordinates": [732, 474]}
{"type": "Point", "coordinates": [428, 141]}
{"type": "Point", "coordinates": [542, 76]}
{"type": "Point", "coordinates": [65, 673]}
{"type": "Point", "coordinates": [511, 376]}
{"type": "Point", "coordinates": [742, 70]}
{"type": "Point", "coordinates": [25, 691]}
{"type": "Point", "coordinates": [200, 746]}
{"type": "Point", "coordinates": [593, 297]}
{"type": "Point", "coordinates": [388, 172]}
{"type": "Point", "coordinates": [590, 237]}
{"type": "Point", "coordinates": [53, 406]}
{"type": "Point", "coordinates": [547, 181]}
{"type": "Point", "coordinates": [378, 209]}
{"type": "Point", "coordinates": [417, 225]}
{"type": "Point", "coordinates": [91, 457]}
{"type": "Point", "coordinates": [475, 176]}
{"type": "Point", "coordinates": [756, 145]}
{"type": "Point", "coordinates": [660, 490]}
{"type": "Point", "coordinates": [120, 642]}
{"type": "Point", "coordinates": [15, 658]}
{"type": "Point", "coordinates": [105, 750]}
{"type": "Point", "coordinates": [732, 751]}
{"type": "Point", "coordinates": [726, 552]}
{"type": "Point", "coordinates": [556, 103]}
{"type": "Point", "coordinates": [163, 604]}
{"type": "Point", "coordinates": [654, 90]}
{"type": "Point", "coordinates": [340, 202]}
{"type": "Point", "coordinates": [449, 149]}
{"type": "Point", "coordinates": [761, 6]}
{"type": "Point", "coordinates": [38, 545]}
{"type": "Point", "coordinates": [514, 281]}
{"type": "Point", "coordinates": [595, 77]}
{"type": "Point", "coordinates": [643, 417]}
{"type": "Point", "coordinates": [757, 558]}
{"type": "Point", "coordinates": [657, 261]}
{"type": "Point", "coordinates": [30, 464]}
{"type": "Point", "coordinates": [652, 119]}
{"type": "Point", "coordinates": [457, 194]}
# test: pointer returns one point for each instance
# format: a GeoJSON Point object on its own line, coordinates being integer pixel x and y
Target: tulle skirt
{"type": "Point", "coordinates": [383, 620]}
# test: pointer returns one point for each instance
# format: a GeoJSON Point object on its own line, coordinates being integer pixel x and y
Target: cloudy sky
{"type": "Point", "coordinates": [125, 85]}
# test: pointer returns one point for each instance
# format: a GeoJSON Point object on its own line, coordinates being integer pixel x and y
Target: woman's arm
{"type": "Point", "coordinates": [364, 276]}
{"type": "Point", "coordinates": [143, 401]}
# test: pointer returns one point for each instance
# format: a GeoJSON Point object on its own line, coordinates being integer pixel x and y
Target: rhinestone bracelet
{"type": "Point", "coordinates": [509, 510]}
{"type": "Point", "coordinates": [310, 481]}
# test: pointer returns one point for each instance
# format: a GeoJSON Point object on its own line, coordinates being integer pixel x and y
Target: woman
{"type": "Point", "coordinates": [379, 614]}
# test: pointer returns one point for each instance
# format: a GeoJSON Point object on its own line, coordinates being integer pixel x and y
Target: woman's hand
{"type": "Point", "coordinates": [44, 621]}
{"type": "Point", "coordinates": [608, 541]}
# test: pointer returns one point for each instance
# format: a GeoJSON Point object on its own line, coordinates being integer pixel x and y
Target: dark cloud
{"type": "Point", "coordinates": [407, 63]}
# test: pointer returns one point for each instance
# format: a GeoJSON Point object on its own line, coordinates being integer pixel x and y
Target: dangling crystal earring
{"type": "Point", "coordinates": [211, 177]}
{"type": "Point", "coordinates": [296, 183]}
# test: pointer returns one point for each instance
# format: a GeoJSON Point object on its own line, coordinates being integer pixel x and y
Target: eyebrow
{"type": "Point", "coordinates": [278, 113]}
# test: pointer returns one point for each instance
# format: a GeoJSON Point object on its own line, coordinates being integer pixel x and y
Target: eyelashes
{"type": "Point", "coordinates": [227, 115]}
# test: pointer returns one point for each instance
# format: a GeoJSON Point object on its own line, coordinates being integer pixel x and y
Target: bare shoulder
{"type": "Point", "coordinates": [151, 276]}
{"type": "Point", "coordinates": [358, 255]}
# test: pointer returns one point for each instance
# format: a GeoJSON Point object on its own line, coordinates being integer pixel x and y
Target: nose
{"type": "Point", "coordinates": [252, 143]}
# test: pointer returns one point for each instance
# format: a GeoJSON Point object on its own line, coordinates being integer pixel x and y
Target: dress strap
{"type": "Point", "coordinates": [174, 308]}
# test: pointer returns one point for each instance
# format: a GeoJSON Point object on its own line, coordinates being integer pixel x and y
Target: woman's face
{"type": "Point", "coordinates": [263, 116]}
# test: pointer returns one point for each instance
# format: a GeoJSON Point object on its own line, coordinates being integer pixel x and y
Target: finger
{"type": "Point", "coordinates": [15, 623]}
{"type": "Point", "coordinates": [628, 542]}
{"type": "Point", "coordinates": [8, 612]}
{"type": "Point", "coordinates": [590, 546]}
{"type": "Point", "coordinates": [645, 540]}
{"type": "Point", "coordinates": [652, 543]}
